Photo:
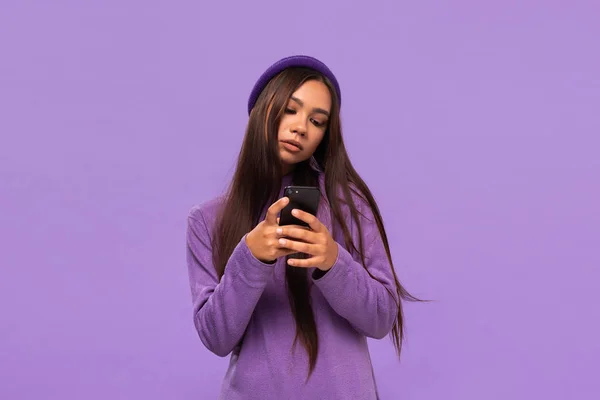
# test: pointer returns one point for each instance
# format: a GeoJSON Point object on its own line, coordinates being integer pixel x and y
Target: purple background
{"type": "Point", "coordinates": [475, 124]}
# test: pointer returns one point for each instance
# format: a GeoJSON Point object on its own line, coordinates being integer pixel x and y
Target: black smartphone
{"type": "Point", "coordinates": [305, 198]}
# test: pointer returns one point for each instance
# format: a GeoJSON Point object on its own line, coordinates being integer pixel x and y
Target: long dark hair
{"type": "Point", "coordinates": [259, 162]}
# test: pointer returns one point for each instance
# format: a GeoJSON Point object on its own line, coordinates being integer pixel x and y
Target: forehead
{"type": "Point", "coordinates": [314, 94]}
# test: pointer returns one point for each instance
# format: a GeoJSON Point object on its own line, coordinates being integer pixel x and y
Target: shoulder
{"type": "Point", "coordinates": [358, 199]}
{"type": "Point", "coordinates": [205, 213]}
{"type": "Point", "coordinates": [363, 216]}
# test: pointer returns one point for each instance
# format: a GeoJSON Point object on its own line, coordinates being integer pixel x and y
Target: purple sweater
{"type": "Point", "coordinates": [251, 302]}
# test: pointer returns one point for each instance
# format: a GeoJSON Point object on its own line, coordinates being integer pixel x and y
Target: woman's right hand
{"type": "Point", "coordinates": [263, 240]}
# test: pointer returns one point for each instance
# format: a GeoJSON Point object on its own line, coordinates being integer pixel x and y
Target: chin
{"type": "Point", "coordinates": [291, 159]}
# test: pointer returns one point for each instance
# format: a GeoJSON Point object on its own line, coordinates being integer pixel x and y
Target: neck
{"type": "Point", "coordinates": [287, 169]}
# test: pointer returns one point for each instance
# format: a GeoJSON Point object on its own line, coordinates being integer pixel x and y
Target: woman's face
{"type": "Point", "coordinates": [304, 123]}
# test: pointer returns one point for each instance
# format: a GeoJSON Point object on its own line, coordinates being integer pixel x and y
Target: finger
{"type": "Point", "coordinates": [305, 263]}
{"type": "Point", "coordinates": [300, 233]}
{"type": "Point", "coordinates": [274, 209]}
{"type": "Point", "coordinates": [280, 229]}
{"type": "Point", "coordinates": [310, 219]}
{"type": "Point", "coordinates": [285, 252]}
{"type": "Point", "coordinates": [299, 247]}
{"type": "Point", "coordinates": [283, 247]}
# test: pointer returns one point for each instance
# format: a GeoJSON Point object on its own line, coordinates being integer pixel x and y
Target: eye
{"type": "Point", "coordinates": [317, 123]}
{"type": "Point", "coordinates": [290, 111]}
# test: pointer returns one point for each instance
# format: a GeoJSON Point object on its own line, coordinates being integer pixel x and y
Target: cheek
{"type": "Point", "coordinates": [282, 125]}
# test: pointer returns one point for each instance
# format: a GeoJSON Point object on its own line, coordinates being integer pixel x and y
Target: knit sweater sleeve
{"type": "Point", "coordinates": [365, 297]}
{"type": "Point", "coordinates": [222, 309]}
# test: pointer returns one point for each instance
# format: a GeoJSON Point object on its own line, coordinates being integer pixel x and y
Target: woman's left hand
{"type": "Point", "coordinates": [317, 242]}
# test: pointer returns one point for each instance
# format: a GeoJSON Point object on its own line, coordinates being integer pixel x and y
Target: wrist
{"type": "Point", "coordinates": [249, 244]}
{"type": "Point", "coordinates": [318, 273]}
{"type": "Point", "coordinates": [331, 258]}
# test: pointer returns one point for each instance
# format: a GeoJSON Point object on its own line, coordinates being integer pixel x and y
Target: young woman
{"type": "Point", "coordinates": [295, 328]}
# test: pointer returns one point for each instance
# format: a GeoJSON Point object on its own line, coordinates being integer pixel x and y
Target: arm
{"type": "Point", "coordinates": [222, 309]}
{"type": "Point", "coordinates": [363, 301]}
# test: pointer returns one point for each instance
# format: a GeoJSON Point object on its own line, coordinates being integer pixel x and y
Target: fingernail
{"type": "Point", "coordinates": [294, 212]}
{"type": "Point", "coordinates": [282, 241]}
{"type": "Point", "coordinates": [279, 231]}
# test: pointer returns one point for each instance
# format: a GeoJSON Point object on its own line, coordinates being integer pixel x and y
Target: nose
{"type": "Point", "coordinates": [299, 127]}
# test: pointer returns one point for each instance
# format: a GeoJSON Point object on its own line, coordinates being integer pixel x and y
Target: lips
{"type": "Point", "coordinates": [293, 143]}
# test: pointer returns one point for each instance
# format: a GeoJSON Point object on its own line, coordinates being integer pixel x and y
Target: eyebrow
{"type": "Point", "coordinates": [316, 109]}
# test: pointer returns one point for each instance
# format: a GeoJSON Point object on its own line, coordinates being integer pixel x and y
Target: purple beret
{"type": "Point", "coordinates": [288, 62]}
